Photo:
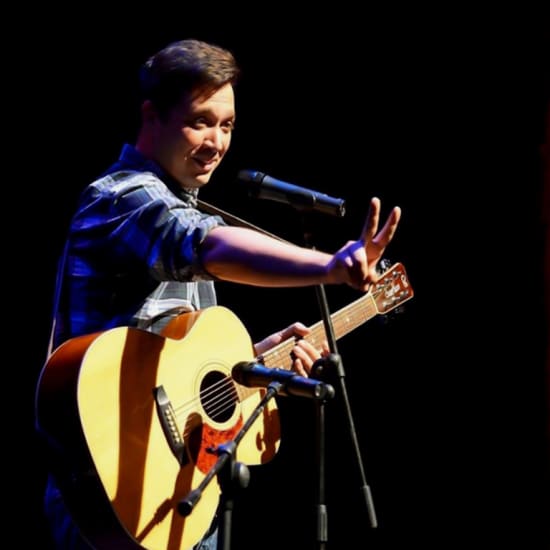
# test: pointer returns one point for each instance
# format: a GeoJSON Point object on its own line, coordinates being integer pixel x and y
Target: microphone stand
{"type": "Point", "coordinates": [321, 367]}
{"type": "Point", "coordinates": [232, 475]}
{"type": "Point", "coordinates": [327, 366]}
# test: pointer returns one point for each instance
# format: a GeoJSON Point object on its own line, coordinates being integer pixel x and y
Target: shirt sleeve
{"type": "Point", "coordinates": [134, 220]}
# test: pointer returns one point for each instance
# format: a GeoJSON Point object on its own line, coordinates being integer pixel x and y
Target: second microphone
{"type": "Point", "coordinates": [257, 375]}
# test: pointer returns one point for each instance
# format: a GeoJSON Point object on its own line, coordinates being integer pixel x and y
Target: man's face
{"type": "Point", "coordinates": [193, 140]}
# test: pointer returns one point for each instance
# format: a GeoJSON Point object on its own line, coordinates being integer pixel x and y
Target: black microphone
{"type": "Point", "coordinates": [262, 186]}
{"type": "Point", "coordinates": [257, 375]}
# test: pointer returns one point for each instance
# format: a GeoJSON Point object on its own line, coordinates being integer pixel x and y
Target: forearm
{"type": "Point", "coordinates": [245, 256]}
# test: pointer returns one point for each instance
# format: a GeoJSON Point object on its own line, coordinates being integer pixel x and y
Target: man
{"type": "Point", "coordinates": [141, 254]}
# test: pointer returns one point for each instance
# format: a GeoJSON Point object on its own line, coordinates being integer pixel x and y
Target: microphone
{"type": "Point", "coordinates": [262, 186]}
{"type": "Point", "coordinates": [257, 375]}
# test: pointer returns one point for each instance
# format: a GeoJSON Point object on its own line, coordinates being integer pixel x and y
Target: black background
{"type": "Point", "coordinates": [439, 113]}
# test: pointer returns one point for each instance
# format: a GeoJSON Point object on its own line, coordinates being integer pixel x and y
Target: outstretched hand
{"type": "Point", "coordinates": [356, 262]}
{"type": "Point", "coordinates": [375, 243]}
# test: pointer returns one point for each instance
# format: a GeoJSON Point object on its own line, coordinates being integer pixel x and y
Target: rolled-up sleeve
{"type": "Point", "coordinates": [137, 221]}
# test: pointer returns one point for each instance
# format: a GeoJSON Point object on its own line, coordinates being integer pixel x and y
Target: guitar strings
{"type": "Point", "coordinates": [208, 395]}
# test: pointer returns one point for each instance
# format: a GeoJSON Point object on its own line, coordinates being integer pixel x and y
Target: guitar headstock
{"type": "Point", "coordinates": [392, 289]}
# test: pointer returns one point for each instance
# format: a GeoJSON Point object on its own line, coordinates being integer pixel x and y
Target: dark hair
{"type": "Point", "coordinates": [185, 68]}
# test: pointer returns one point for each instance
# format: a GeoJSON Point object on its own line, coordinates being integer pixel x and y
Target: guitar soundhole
{"type": "Point", "coordinates": [218, 396]}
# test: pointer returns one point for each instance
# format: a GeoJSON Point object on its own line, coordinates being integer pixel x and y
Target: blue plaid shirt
{"type": "Point", "coordinates": [131, 253]}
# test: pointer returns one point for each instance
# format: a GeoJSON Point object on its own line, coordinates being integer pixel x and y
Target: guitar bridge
{"type": "Point", "coordinates": [167, 419]}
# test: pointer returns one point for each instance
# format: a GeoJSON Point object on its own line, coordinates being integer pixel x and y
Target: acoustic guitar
{"type": "Point", "coordinates": [131, 419]}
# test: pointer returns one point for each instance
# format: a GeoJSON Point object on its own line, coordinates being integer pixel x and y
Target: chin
{"type": "Point", "coordinates": [202, 180]}
{"type": "Point", "coordinates": [192, 182]}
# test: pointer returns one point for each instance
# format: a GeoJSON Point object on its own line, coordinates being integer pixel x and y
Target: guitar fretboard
{"type": "Point", "coordinates": [344, 321]}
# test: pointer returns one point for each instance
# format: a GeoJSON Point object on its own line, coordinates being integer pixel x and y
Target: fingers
{"type": "Point", "coordinates": [304, 354]}
{"type": "Point", "coordinates": [370, 228]}
{"type": "Point", "coordinates": [296, 329]}
{"type": "Point", "coordinates": [388, 231]}
{"type": "Point", "coordinates": [299, 367]}
{"type": "Point", "coordinates": [371, 223]}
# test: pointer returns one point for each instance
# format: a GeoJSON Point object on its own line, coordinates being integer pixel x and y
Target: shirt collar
{"type": "Point", "coordinates": [131, 158]}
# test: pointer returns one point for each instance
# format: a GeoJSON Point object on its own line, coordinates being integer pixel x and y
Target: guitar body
{"type": "Point", "coordinates": [135, 414]}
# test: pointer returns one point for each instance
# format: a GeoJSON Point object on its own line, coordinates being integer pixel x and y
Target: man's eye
{"type": "Point", "coordinates": [200, 122]}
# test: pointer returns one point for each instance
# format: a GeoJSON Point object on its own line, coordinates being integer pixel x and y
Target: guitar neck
{"type": "Point", "coordinates": [344, 321]}
{"type": "Point", "coordinates": [390, 291]}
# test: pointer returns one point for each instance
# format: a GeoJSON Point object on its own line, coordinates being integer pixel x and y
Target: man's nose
{"type": "Point", "coordinates": [215, 138]}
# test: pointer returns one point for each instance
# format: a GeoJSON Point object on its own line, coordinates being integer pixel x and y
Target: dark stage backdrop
{"type": "Point", "coordinates": [446, 120]}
